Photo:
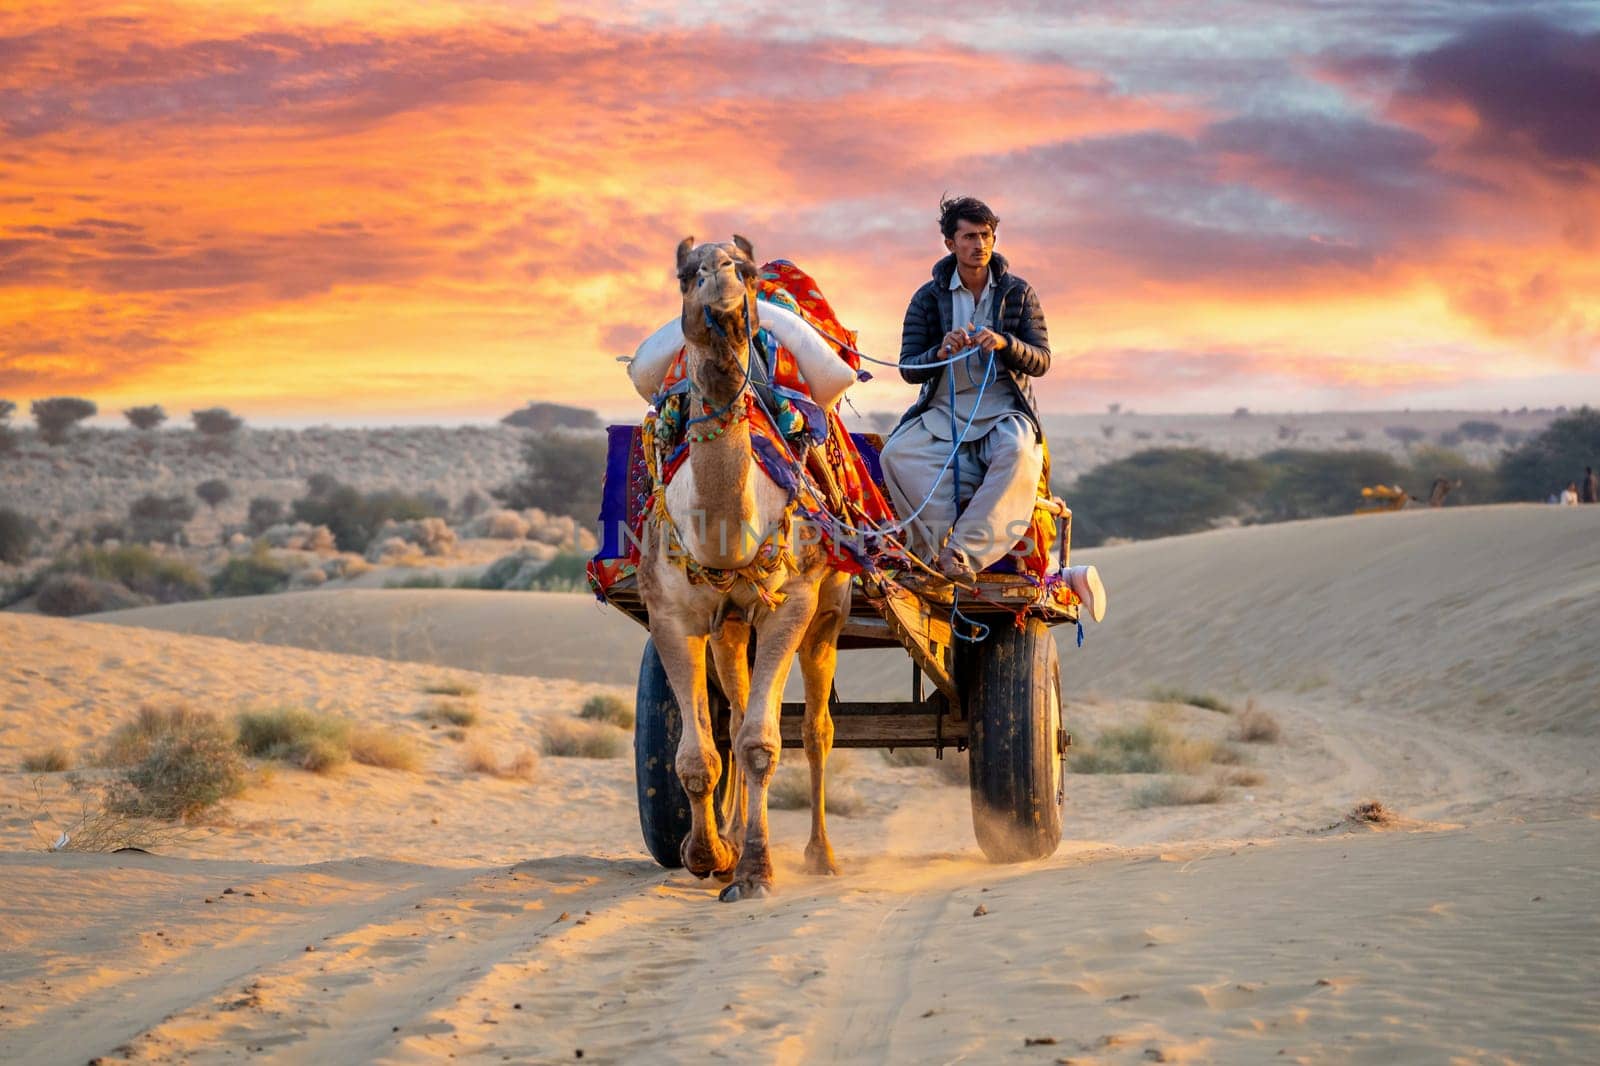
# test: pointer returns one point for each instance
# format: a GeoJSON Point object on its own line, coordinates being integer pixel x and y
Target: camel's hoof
{"type": "Point", "coordinates": [826, 866]}
{"type": "Point", "coordinates": [745, 890]}
{"type": "Point", "coordinates": [717, 861]}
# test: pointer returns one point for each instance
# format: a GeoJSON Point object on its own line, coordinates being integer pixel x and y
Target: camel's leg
{"type": "Point", "coordinates": [819, 655]}
{"type": "Point", "coordinates": [759, 742]}
{"type": "Point", "coordinates": [730, 642]}
{"type": "Point", "coordinates": [683, 655]}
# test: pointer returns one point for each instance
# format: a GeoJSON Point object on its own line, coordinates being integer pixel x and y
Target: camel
{"type": "Point", "coordinates": [722, 508]}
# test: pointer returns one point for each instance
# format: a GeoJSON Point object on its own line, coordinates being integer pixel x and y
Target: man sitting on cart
{"type": "Point", "coordinates": [980, 405]}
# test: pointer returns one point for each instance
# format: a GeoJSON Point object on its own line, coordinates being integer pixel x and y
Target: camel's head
{"type": "Point", "coordinates": [719, 278]}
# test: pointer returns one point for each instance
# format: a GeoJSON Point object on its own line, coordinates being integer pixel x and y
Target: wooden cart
{"type": "Point", "coordinates": [998, 699]}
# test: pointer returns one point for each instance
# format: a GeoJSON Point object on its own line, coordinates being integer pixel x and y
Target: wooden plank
{"type": "Point", "coordinates": [921, 730]}
{"type": "Point", "coordinates": [925, 634]}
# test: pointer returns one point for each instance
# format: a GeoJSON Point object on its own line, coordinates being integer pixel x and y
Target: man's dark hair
{"type": "Point", "coordinates": [969, 208]}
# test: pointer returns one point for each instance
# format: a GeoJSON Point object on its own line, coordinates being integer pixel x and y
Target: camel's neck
{"type": "Point", "coordinates": [724, 523]}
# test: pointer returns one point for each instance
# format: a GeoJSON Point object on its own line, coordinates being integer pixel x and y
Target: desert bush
{"type": "Point", "coordinates": [355, 517]}
{"type": "Point", "coordinates": [416, 581]}
{"type": "Point", "coordinates": [451, 712]}
{"type": "Point", "coordinates": [1204, 701]}
{"type": "Point", "coordinates": [1546, 462]}
{"type": "Point", "coordinates": [450, 687]}
{"type": "Point", "coordinates": [139, 569]}
{"type": "Point", "coordinates": [145, 418]}
{"type": "Point", "coordinates": [604, 707]}
{"type": "Point", "coordinates": [1407, 435]}
{"type": "Point", "coordinates": [255, 574]}
{"type": "Point", "coordinates": [131, 742]}
{"type": "Point", "coordinates": [548, 416]}
{"type": "Point", "coordinates": [570, 738]}
{"type": "Point", "coordinates": [473, 504]}
{"type": "Point", "coordinates": [1255, 726]}
{"type": "Point", "coordinates": [1309, 484]}
{"type": "Point", "coordinates": [384, 749]}
{"type": "Point", "coordinates": [395, 539]}
{"type": "Point", "coordinates": [511, 572]}
{"type": "Point", "coordinates": [183, 772]}
{"type": "Point", "coordinates": [214, 492]}
{"type": "Point", "coordinates": [1161, 492]}
{"type": "Point", "coordinates": [8, 439]}
{"type": "Point", "coordinates": [264, 512]}
{"type": "Point", "coordinates": [1372, 812]}
{"type": "Point", "coordinates": [1177, 792]}
{"type": "Point", "coordinates": [56, 416]}
{"type": "Point", "coordinates": [481, 759]}
{"type": "Point", "coordinates": [50, 761]}
{"type": "Point", "coordinates": [158, 519]}
{"type": "Point", "coordinates": [1243, 778]}
{"type": "Point", "coordinates": [217, 426]}
{"type": "Point", "coordinates": [564, 474]}
{"type": "Point", "coordinates": [1355, 433]}
{"type": "Point", "coordinates": [314, 742]}
{"type": "Point", "coordinates": [1151, 747]}
{"type": "Point", "coordinates": [69, 595]}
{"type": "Point", "coordinates": [17, 531]}
{"type": "Point", "coordinates": [565, 573]}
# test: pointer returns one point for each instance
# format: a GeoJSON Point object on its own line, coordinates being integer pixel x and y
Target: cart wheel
{"type": "Point", "coordinates": [663, 804]}
{"type": "Point", "coordinates": [1013, 689]}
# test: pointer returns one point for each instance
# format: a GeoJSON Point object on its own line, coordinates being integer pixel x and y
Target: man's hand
{"type": "Point", "coordinates": [988, 340]}
{"type": "Point", "coordinates": [954, 341]}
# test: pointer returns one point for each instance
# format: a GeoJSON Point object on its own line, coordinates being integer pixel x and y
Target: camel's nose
{"type": "Point", "coordinates": [716, 264]}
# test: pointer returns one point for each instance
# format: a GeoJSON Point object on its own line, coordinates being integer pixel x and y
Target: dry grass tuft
{"type": "Point", "coordinates": [132, 741]}
{"type": "Point", "coordinates": [385, 749]}
{"type": "Point", "coordinates": [1151, 747]}
{"type": "Point", "coordinates": [950, 770]}
{"type": "Point", "coordinates": [458, 713]}
{"type": "Point", "coordinates": [790, 789]}
{"type": "Point", "coordinates": [1255, 726]}
{"type": "Point", "coordinates": [574, 739]}
{"type": "Point", "coordinates": [1205, 701]}
{"type": "Point", "coordinates": [51, 761]}
{"type": "Point", "coordinates": [1177, 792]}
{"type": "Point", "coordinates": [1244, 778]}
{"type": "Point", "coordinates": [1372, 812]}
{"type": "Point", "coordinates": [480, 759]}
{"type": "Point", "coordinates": [450, 687]}
{"type": "Point", "coordinates": [314, 742]}
{"type": "Point", "coordinates": [613, 710]}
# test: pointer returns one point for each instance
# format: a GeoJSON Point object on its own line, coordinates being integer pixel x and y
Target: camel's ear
{"type": "Point", "coordinates": [744, 246]}
{"type": "Point", "coordinates": [685, 246]}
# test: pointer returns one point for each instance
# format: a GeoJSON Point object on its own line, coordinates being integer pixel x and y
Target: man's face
{"type": "Point", "coordinates": [973, 243]}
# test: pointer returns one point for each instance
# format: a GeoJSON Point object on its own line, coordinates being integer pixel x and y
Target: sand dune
{"type": "Point", "coordinates": [1437, 661]}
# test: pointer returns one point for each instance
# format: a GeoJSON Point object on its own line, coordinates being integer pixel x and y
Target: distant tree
{"type": "Point", "coordinates": [8, 437]}
{"type": "Point", "coordinates": [320, 485]}
{"type": "Point", "coordinates": [1480, 430]}
{"type": "Point", "coordinates": [1308, 484]}
{"type": "Point", "coordinates": [214, 492]}
{"type": "Point", "coordinates": [1548, 461]}
{"type": "Point", "coordinates": [17, 531]}
{"type": "Point", "coordinates": [1241, 412]}
{"type": "Point", "coordinates": [563, 475]}
{"type": "Point", "coordinates": [57, 415]}
{"type": "Point", "coordinates": [354, 518]}
{"type": "Point", "coordinates": [1113, 408]}
{"type": "Point", "coordinates": [264, 513]}
{"type": "Point", "coordinates": [154, 518]}
{"type": "Point", "coordinates": [7, 409]}
{"type": "Point", "coordinates": [1407, 435]}
{"type": "Point", "coordinates": [548, 416]}
{"type": "Point", "coordinates": [1161, 492]}
{"type": "Point", "coordinates": [145, 418]}
{"type": "Point", "coordinates": [472, 504]}
{"type": "Point", "coordinates": [216, 421]}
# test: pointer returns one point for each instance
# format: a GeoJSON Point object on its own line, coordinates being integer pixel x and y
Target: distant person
{"type": "Point", "coordinates": [1441, 488]}
{"type": "Point", "coordinates": [1569, 495]}
{"type": "Point", "coordinates": [1590, 493]}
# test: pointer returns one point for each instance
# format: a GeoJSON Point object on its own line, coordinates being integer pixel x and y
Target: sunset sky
{"type": "Point", "coordinates": [351, 211]}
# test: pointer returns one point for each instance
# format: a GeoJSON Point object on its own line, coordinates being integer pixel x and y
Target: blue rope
{"type": "Point", "coordinates": [957, 619]}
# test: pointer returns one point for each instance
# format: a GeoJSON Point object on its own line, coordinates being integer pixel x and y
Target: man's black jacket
{"type": "Point", "coordinates": [1017, 316]}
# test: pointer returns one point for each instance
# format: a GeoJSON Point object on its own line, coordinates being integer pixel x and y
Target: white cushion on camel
{"type": "Point", "coordinates": [826, 374]}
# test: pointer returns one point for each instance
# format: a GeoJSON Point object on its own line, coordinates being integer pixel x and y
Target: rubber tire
{"type": "Point", "coordinates": [663, 804]}
{"type": "Point", "coordinates": [1012, 684]}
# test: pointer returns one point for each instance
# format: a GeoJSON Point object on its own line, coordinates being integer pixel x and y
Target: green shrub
{"type": "Point", "coordinates": [140, 570]}
{"type": "Point", "coordinates": [314, 742]}
{"type": "Point", "coordinates": [1549, 461]}
{"type": "Point", "coordinates": [17, 531]}
{"type": "Point", "coordinates": [1161, 492]}
{"type": "Point", "coordinates": [564, 475]}
{"type": "Point", "coordinates": [264, 512]}
{"type": "Point", "coordinates": [415, 581]}
{"type": "Point", "coordinates": [180, 762]}
{"type": "Point", "coordinates": [450, 687]}
{"type": "Point", "coordinates": [131, 741]}
{"type": "Point", "coordinates": [612, 710]}
{"type": "Point", "coordinates": [214, 492]}
{"type": "Point", "coordinates": [1309, 484]}
{"type": "Point", "coordinates": [69, 595]}
{"type": "Point", "coordinates": [450, 712]}
{"type": "Point", "coordinates": [566, 572]}
{"type": "Point", "coordinates": [160, 519]}
{"type": "Point", "coordinates": [354, 517]}
{"type": "Point", "coordinates": [1148, 748]}
{"type": "Point", "coordinates": [255, 574]}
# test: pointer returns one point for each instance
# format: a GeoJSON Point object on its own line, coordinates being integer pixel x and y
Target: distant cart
{"type": "Point", "coordinates": [998, 699]}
